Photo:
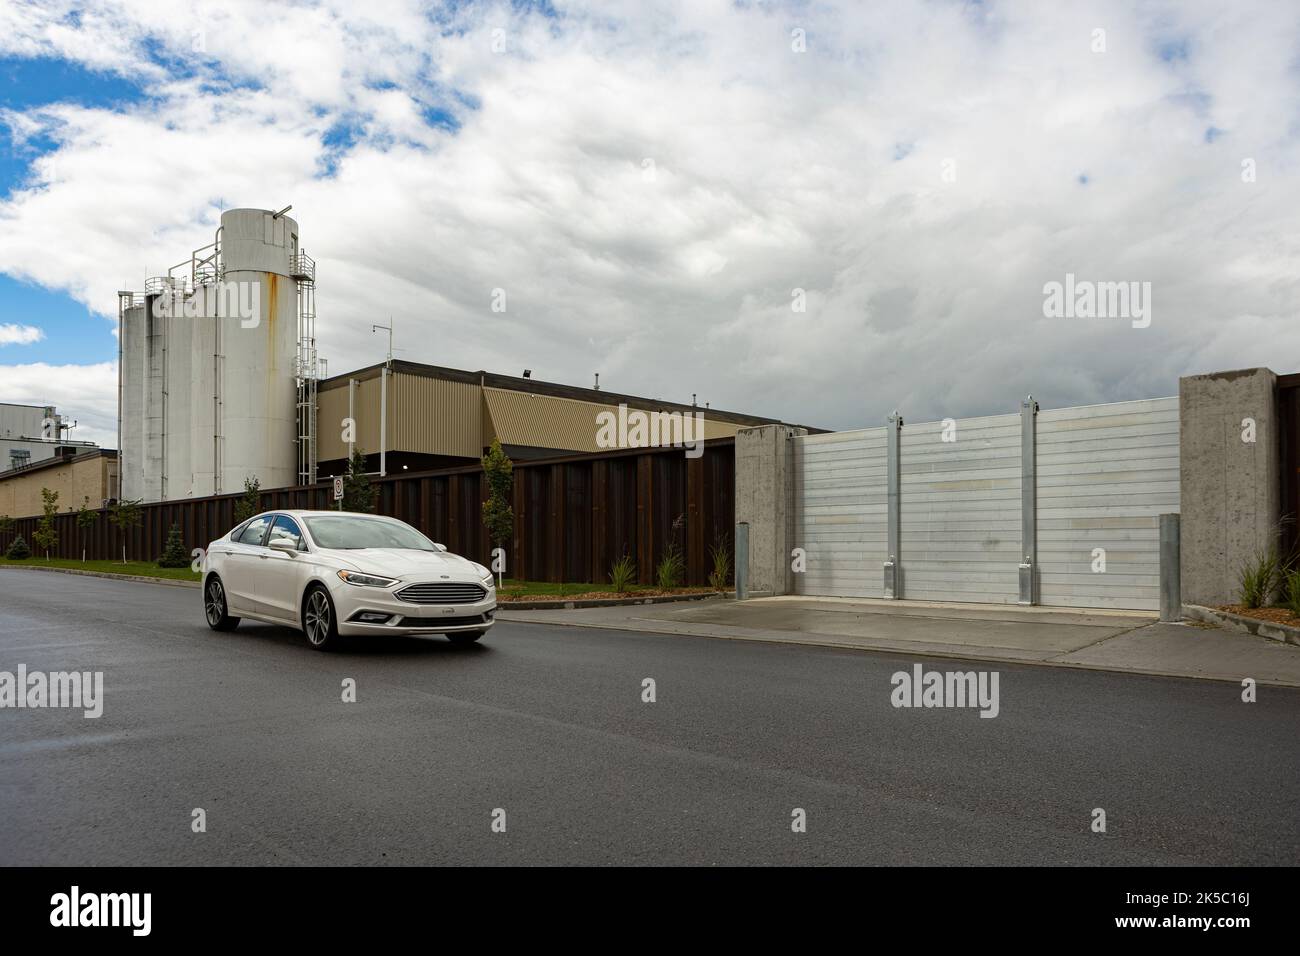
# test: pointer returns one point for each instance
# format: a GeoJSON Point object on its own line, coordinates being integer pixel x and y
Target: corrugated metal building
{"type": "Point", "coordinates": [439, 416]}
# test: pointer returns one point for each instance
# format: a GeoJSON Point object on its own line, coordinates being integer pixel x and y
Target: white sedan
{"type": "Point", "coordinates": [332, 573]}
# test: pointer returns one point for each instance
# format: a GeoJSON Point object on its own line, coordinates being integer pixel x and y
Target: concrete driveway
{"type": "Point", "coordinates": [1130, 641]}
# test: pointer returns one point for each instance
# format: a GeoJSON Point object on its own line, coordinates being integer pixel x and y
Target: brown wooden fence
{"type": "Point", "coordinates": [574, 516]}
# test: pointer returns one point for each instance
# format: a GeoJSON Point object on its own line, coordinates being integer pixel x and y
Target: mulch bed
{"type": "Point", "coordinates": [1277, 615]}
{"type": "Point", "coordinates": [599, 595]}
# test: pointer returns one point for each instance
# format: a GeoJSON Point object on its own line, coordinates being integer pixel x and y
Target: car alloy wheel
{"type": "Point", "coordinates": [318, 619]}
{"type": "Point", "coordinates": [214, 606]}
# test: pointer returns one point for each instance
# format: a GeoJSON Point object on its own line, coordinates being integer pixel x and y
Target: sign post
{"type": "Point", "coordinates": [338, 490]}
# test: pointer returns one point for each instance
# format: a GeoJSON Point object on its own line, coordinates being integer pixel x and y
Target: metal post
{"type": "Point", "coordinates": [352, 419]}
{"type": "Point", "coordinates": [1171, 598]}
{"type": "Point", "coordinates": [893, 567]}
{"type": "Point", "coordinates": [742, 560]}
{"type": "Point", "coordinates": [383, 421]}
{"type": "Point", "coordinates": [1028, 502]}
{"type": "Point", "coordinates": [121, 322]}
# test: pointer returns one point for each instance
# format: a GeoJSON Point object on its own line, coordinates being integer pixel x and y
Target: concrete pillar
{"type": "Point", "coordinates": [1230, 493]}
{"type": "Point", "coordinates": [765, 499]}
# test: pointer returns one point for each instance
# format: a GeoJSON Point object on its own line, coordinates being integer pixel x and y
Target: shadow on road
{"type": "Point", "coordinates": [392, 646]}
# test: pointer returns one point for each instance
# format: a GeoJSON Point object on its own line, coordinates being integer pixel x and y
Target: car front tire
{"type": "Point", "coordinates": [215, 608]}
{"type": "Point", "coordinates": [465, 637]}
{"type": "Point", "coordinates": [319, 622]}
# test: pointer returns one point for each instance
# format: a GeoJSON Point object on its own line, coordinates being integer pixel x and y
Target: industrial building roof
{"type": "Point", "coordinates": [533, 386]}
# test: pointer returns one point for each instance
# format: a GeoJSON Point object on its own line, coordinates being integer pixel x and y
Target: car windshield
{"type": "Point", "coordinates": [349, 532]}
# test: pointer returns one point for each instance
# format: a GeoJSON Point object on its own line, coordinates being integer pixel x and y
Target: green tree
{"type": "Point", "coordinates": [124, 515]}
{"type": "Point", "coordinates": [498, 516]}
{"type": "Point", "coordinates": [174, 554]}
{"type": "Point", "coordinates": [6, 525]}
{"type": "Point", "coordinates": [46, 536]}
{"type": "Point", "coordinates": [18, 550]}
{"type": "Point", "coordinates": [251, 503]}
{"type": "Point", "coordinates": [86, 518]}
{"type": "Point", "coordinates": [358, 495]}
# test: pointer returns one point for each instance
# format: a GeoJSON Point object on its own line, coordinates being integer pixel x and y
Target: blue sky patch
{"type": "Point", "coordinates": [72, 333]}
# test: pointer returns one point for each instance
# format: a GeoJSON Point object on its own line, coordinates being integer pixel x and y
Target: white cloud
{"type": "Point", "coordinates": [774, 170]}
{"type": "Point", "coordinates": [84, 393]}
{"type": "Point", "coordinates": [12, 334]}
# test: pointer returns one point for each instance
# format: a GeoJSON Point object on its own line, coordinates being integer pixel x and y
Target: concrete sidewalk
{"type": "Point", "coordinates": [1131, 641]}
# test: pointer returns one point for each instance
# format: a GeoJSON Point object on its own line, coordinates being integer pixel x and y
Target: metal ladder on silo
{"type": "Point", "coordinates": [306, 366]}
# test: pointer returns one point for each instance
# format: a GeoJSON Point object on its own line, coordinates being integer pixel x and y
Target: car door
{"type": "Point", "coordinates": [242, 566]}
{"type": "Point", "coordinates": [281, 575]}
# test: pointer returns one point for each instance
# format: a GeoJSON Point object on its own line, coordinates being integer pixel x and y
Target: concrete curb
{"type": "Point", "coordinates": [559, 604]}
{"type": "Point", "coordinates": [1239, 622]}
{"type": "Point", "coordinates": [953, 652]}
{"type": "Point", "coordinates": [108, 575]}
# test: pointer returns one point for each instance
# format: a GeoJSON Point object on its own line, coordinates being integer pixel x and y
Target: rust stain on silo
{"type": "Point", "coordinates": [271, 310]}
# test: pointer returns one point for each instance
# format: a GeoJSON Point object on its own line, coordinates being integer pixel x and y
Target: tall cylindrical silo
{"type": "Point", "coordinates": [132, 463]}
{"type": "Point", "coordinates": [151, 397]}
{"type": "Point", "coordinates": [178, 334]}
{"type": "Point", "coordinates": [203, 435]}
{"type": "Point", "coordinates": [255, 378]}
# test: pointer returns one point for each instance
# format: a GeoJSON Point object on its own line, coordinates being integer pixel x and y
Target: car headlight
{"type": "Point", "coordinates": [365, 580]}
{"type": "Point", "coordinates": [489, 582]}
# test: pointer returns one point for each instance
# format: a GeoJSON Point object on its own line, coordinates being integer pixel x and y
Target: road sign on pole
{"type": "Point", "coordinates": [338, 489]}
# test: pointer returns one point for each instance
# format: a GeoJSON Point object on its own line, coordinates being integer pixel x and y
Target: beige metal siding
{"type": "Point", "coordinates": [427, 415]}
{"type": "Point", "coordinates": [544, 421]}
{"type": "Point", "coordinates": [438, 417]}
{"type": "Point", "coordinates": [434, 416]}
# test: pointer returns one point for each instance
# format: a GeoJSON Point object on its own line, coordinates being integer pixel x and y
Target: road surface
{"type": "Point", "coordinates": [549, 725]}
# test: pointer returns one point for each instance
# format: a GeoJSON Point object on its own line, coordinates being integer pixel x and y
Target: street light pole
{"type": "Point", "coordinates": [383, 399]}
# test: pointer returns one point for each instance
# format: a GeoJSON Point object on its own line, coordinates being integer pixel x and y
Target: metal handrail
{"type": "Point", "coordinates": [303, 265]}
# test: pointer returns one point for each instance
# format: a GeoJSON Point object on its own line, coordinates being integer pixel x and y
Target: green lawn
{"type": "Point", "coordinates": [547, 589]}
{"type": "Point", "coordinates": [512, 589]}
{"type": "Point", "coordinates": [142, 568]}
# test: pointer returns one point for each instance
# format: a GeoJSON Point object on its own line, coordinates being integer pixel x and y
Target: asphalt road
{"type": "Point", "coordinates": [548, 724]}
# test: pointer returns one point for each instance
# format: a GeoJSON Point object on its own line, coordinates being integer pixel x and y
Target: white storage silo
{"type": "Point", "coordinates": [151, 457]}
{"type": "Point", "coordinates": [255, 379]}
{"type": "Point", "coordinates": [178, 331]}
{"type": "Point", "coordinates": [132, 334]}
{"type": "Point", "coordinates": [208, 379]}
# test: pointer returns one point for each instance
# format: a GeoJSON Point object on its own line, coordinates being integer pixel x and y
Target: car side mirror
{"type": "Point", "coordinates": [440, 547]}
{"type": "Point", "coordinates": [283, 544]}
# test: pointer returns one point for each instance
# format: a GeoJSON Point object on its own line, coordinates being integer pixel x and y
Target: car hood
{"type": "Point", "coordinates": [404, 564]}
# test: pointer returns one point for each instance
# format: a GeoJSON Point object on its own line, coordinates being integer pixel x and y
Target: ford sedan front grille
{"type": "Point", "coordinates": [442, 593]}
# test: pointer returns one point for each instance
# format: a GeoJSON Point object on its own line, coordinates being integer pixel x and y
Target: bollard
{"type": "Point", "coordinates": [742, 560]}
{"type": "Point", "coordinates": [1171, 597]}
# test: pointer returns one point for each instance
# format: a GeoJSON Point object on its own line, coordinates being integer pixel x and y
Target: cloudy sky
{"type": "Point", "coordinates": [653, 183]}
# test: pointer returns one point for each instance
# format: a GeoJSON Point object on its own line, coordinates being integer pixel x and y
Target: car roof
{"type": "Point", "coordinates": [301, 513]}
